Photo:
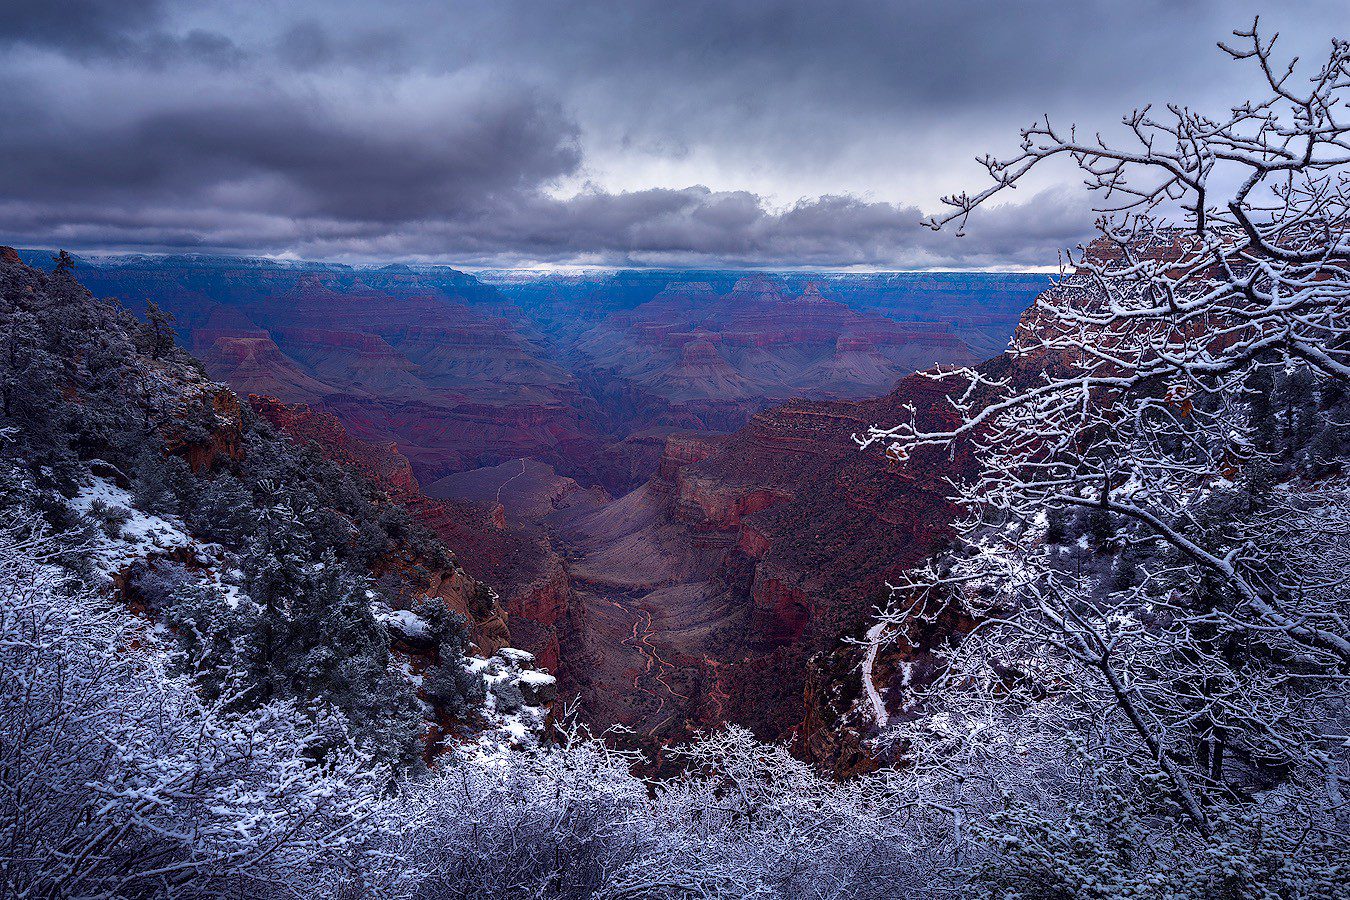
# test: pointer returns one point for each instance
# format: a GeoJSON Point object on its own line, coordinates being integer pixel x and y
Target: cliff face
{"type": "Point", "coordinates": [434, 360]}
{"type": "Point", "coordinates": [460, 591]}
{"type": "Point", "coordinates": [697, 354]}
{"type": "Point", "coordinates": [706, 590]}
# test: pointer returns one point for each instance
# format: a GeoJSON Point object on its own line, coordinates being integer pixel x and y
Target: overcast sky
{"type": "Point", "coordinates": [501, 133]}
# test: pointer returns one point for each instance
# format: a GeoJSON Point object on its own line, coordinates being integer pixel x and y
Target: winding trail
{"type": "Point", "coordinates": [498, 497]}
{"type": "Point", "coordinates": [654, 667]}
{"type": "Point", "coordinates": [717, 694]}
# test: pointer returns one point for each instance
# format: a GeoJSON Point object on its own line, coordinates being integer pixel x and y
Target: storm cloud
{"type": "Point", "coordinates": [486, 134]}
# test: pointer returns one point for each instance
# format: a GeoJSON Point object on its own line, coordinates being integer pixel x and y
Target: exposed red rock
{"type": "Point", "coordinates": [706, 590]}
{"type": "Point", "coordinates": [208, 429]}
{"type": "Point", "coordinates": [495, 518]}
{"type": "Point", "coordinates": [725, 357]}
{"type": "Point", "coordinates": [433, 361]}
{"type": "Point", "coordinates": [389, 469]}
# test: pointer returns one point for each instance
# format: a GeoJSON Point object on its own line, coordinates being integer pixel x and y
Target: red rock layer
{"type": "Point", "coordinates": [706, 591]}
{"type": "Point", "coordinates": [390, 470]}
{"type": "Point", "coordinates": [435, 362]}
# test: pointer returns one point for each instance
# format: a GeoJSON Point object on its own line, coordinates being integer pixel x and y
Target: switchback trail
{"type": "Point", "coordinates": [651, 678]}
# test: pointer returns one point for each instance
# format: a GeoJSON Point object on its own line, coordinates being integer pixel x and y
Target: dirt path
{"type": "Point", "coordinates": [651, 677]}
{"type": "Point", "coordinates": [498, 497]}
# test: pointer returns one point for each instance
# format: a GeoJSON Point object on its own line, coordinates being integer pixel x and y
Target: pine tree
{"type": "Point", "coordinates": [65, 263]}
{"type": "Point", "coordinates": [161, 329]}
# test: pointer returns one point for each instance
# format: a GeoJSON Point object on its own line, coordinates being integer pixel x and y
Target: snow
{"type": "Point", "coordinates": [508, 729]}
{"type": "Point", "coordinates": [879, 713]}
{"type": "Point", "coordinates": [145, 535]}
{"type": "Point", "coordinates": [405, 622]}
{"type": "Point", "coordinates": [142, 535]}
{"type": "Point", "coordinates": [517, 658]}
{"type": "Point", "coordinates": [536, 678]}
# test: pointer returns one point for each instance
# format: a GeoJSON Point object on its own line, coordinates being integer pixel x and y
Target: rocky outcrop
{"type": "Point", "coordinates": [834, 732]}
{"type": "Point", "coordinates": [384, 465]}
{"type": "Point", "coordinates": [495, 518]}
{"type": "Point", "coordinates": [489, 628]}
{"type": "Point", "coordinates": [207, 430]}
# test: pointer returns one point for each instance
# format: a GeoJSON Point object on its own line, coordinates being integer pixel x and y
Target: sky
{"type": "Point", "coordinates": [503, 133]}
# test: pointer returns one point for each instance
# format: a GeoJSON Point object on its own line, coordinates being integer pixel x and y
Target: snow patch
{"type": "Point", "coordinates": [141, 535]}
{"type": "Point", "coordinates": [403, 621]}
{"type": "Point", "coordinates": [513, 723]}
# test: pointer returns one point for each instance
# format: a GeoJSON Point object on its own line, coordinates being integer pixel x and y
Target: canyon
{"type": "Point", "coordinates": [655, 472]}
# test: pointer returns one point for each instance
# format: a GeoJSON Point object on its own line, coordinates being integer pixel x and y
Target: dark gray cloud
{"type": "Point", "coordinates": [520, 131]}
{"type": "Point", "coordinates": [286, 153]}
{"type": "Point", "coordinates": [104, 30]}
{"type": "Point", "coordinates": [78, 27]}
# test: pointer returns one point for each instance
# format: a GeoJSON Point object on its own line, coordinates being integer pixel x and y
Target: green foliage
{"type": "Point", "coordinates": [160, 322]}
{"type": "Point", "coordinates": [65, 263]}
{"type": "Point", "coordinates": [82, 379]}
{"type": "Point", "coordinates": [447, 683]}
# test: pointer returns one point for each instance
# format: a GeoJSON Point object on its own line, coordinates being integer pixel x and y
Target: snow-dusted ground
{"type": "Point", "coordinates": [403, 621]}
{"type": "Point", "coordinates": [510, 676]}
{"type": "Point", "coordinates": [513, 723]}
{"type": "Point", "coordinates": [142, 535]}
{"type": "Point", "coordinates": [146, 535]}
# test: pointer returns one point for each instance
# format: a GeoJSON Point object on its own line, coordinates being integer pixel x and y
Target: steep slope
{"type": "Point", "coordinates": [283, 566]}
{"type": "Point", "coordinates": [493, 525]}
{"type": "Point", "coordinates": [706, 590]}
{"type": "Point", "coordinates": [390, 470]}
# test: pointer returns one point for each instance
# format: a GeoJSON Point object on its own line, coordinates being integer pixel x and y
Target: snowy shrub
{"type": "Point", "coordinates": [109, 519]}
{"type": "Point", "coordinates": [571, 821]}
{"type": "Point", "coordinates": [540, 823]}
{"type": "Point", "coordinates": [116, 779]}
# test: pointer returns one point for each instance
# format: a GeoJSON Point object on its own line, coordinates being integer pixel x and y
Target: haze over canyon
{"type": "Point", "coordinates": [655, 469]}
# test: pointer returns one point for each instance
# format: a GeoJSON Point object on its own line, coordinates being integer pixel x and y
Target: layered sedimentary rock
{"type": "Point", "coordinates": [432, 360]}
{"type": "Point", "coordinates": [706, 590]}
{"type": "Point", "coordinates": [716, 358]}
{"type": "Point", "coordinates": [585, 373]}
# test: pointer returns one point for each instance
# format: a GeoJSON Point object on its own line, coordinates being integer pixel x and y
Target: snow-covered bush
{"type": "Point", "coordinates": [117, 780]}
{"type": "Point", "coordinates": [559, 822]}
{"type": "Point", "coordinates": [571, 821]}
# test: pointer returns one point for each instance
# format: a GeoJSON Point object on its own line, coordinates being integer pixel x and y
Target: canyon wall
{"type": "Point", "coordinates": [658, 482]}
